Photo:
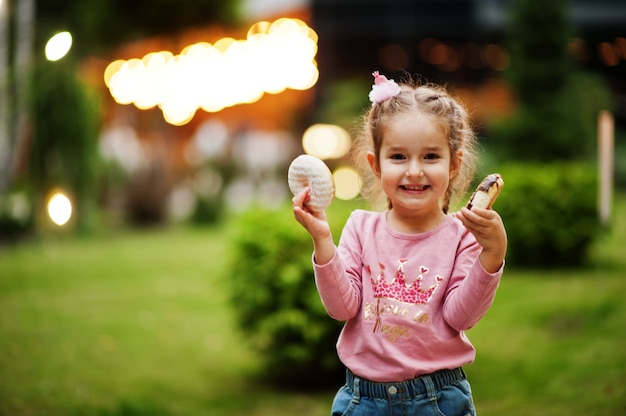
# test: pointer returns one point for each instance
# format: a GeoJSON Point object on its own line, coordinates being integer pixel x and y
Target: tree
{"type": "Point", "coordinates": [539, 36]}
{"type": "Point", "coordinates": [557, 104]}
{"type": "Point", "coordinates": [553, 135]}
{"type": "Point", "coordinates": [97, 26]}
{"type": "Point", "coordinates": [64, 139]}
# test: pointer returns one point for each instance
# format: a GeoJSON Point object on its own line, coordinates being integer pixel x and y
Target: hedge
{"type": "Point", "coordinates": [275, 300]}
{"type": "Point", "coordinates": [550, 213]}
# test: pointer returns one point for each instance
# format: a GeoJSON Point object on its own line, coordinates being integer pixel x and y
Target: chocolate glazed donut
{"type": "Point", "coordinates": [487, 192]}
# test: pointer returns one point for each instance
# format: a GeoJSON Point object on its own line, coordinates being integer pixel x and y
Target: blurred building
{"type": "Point", "coordinates": [456, 41]}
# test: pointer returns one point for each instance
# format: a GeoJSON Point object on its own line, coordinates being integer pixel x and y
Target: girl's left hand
{"type": "Point", "coordinates": [488, 229]}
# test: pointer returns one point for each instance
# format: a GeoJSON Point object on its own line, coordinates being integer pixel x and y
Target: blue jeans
{"type": "Point", "coordinates": [443, 393]}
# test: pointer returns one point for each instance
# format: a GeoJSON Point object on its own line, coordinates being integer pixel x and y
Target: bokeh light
{"type": "Point", "coordinates": [59, 208]}
{"type": "Point", "coordinates": [393, 56]}
{"type": "Point", "coordinates": [347, 183]}
{"type": "Point", "coordinates": [608, 53]}
{"type": "Point", "coordinates": [58, 46]}
{"type": "Point", "coordinates": [495, 57]}
{"type": "Point", "coordinates": [274, 57]}
{"type": "Point", "coordinates": [326, 141]}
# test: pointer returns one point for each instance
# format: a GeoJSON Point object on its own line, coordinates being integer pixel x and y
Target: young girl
{"type": "Point", "coordinates": [410, 280]}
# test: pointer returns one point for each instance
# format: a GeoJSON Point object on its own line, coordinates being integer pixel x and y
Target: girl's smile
{"type": "Point", "coordinates": [415, 167]}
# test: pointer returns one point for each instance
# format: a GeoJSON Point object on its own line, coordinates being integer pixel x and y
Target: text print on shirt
{"type": "Point", "coordinates": [398, 298]}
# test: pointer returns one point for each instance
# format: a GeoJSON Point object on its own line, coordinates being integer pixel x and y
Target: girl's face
{"type": "Point", "coordinates": [415, 167]}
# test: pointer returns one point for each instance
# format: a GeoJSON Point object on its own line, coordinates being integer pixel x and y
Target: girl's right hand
{"type": "Point", "coordinates": [313, 221]}
{"type": "Point", "coordinates": [316, 224]}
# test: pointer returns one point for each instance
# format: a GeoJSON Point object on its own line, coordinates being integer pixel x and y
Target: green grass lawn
{"type": "Point", "coordinates": [138, 323]}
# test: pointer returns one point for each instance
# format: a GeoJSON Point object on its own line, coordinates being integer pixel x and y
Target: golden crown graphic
{"type": "Point", "coordinates": [401, 290]}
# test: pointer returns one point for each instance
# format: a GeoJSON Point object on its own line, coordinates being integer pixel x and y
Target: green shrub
{"type": "Point", "coordinates": [550, 213]}
{"type": "Point", "coordinates": [275, 300]}
{"type": "Point", "coordinates": [14, 215]}
{"type": "Point", "coordinates": [208, 211]}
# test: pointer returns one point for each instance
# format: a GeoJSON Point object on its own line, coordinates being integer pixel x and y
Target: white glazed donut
{"type": "Point", "coordinates": [307, 170]}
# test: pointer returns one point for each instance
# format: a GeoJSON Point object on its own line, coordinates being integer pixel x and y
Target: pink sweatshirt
{"type": "Point", "coordinates": [406, 298]}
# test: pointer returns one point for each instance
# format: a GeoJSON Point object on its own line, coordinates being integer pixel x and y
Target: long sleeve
{"type": "Point", "coordinates": [339, 281]}
{"type": "Point", "coordinates": [472, 289]}
{"type": "Point", "coordinates": [406, 298]}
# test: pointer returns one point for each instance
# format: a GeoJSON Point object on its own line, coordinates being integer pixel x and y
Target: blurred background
{"type": "Point", "coordinates": [162, 112]}
{"type": "Point", "coordinates": [149, 261]}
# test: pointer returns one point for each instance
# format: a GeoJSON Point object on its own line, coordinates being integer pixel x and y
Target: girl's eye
{"type": "Point", "coordinates": [431, 156]}
{"type": "Point", "coordinates": [396, 156]}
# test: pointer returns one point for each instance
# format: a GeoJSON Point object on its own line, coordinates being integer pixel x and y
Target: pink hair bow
{"type": "Point", "coordinates": [383, 89]}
